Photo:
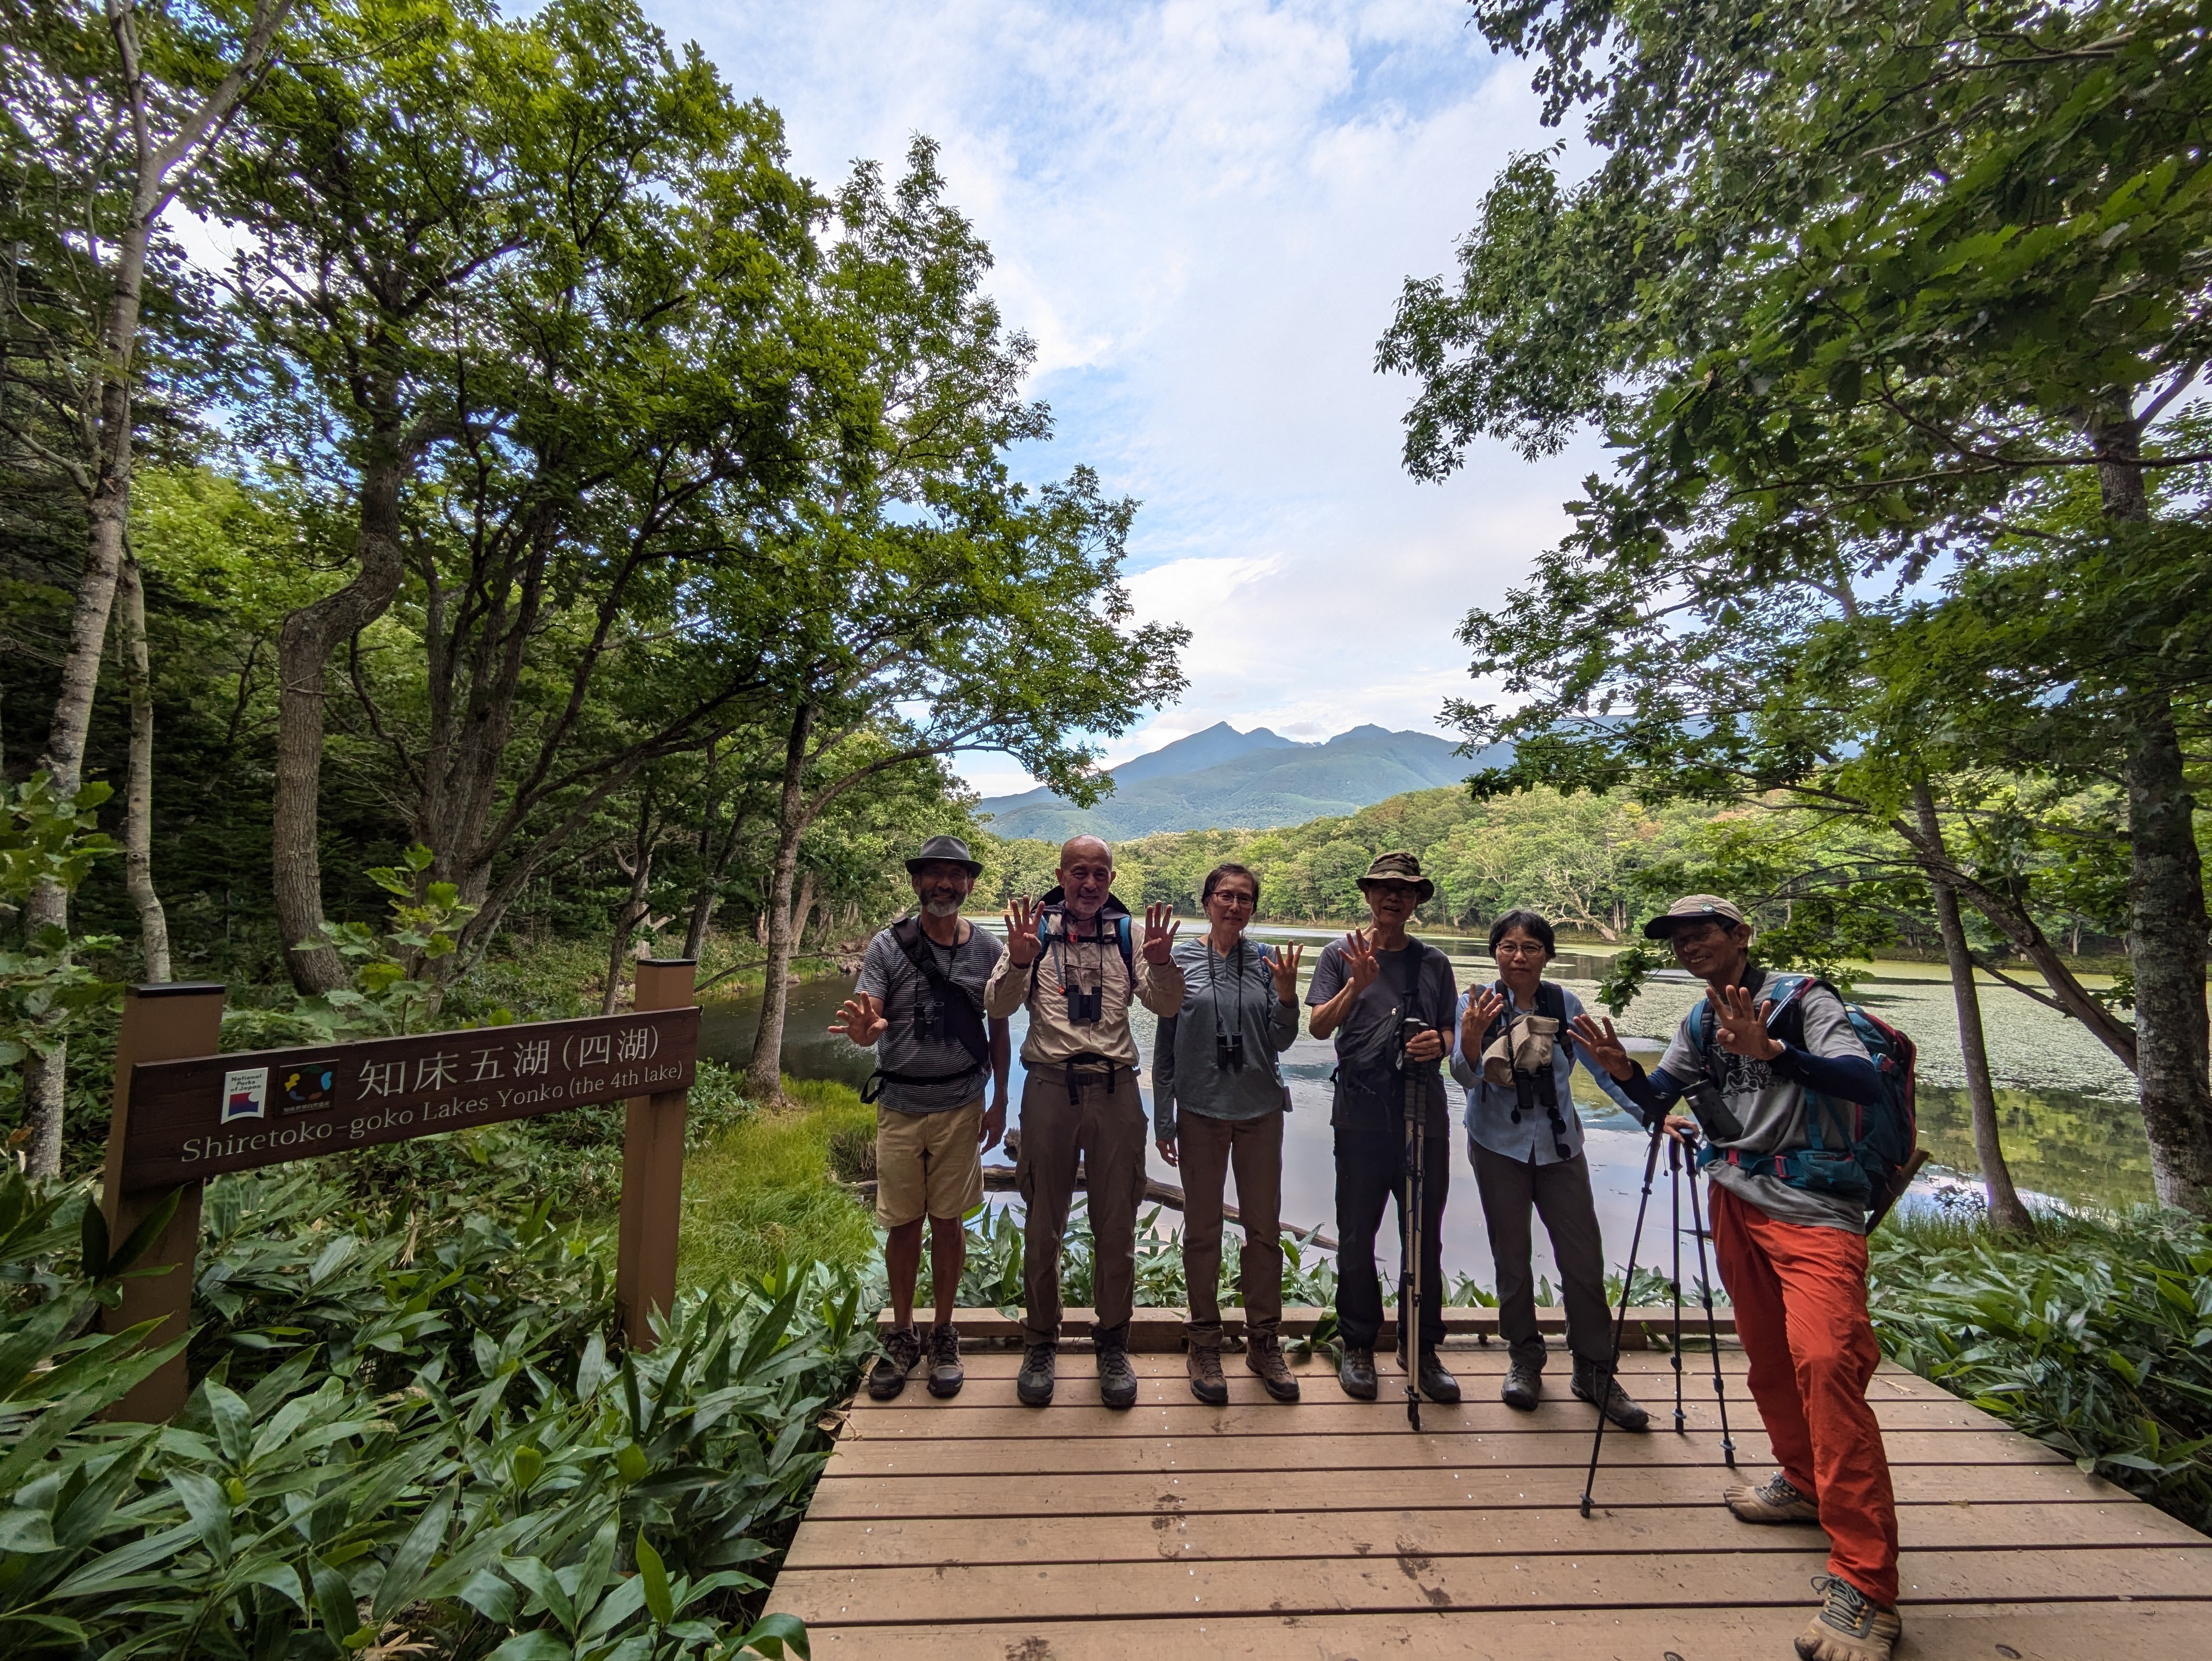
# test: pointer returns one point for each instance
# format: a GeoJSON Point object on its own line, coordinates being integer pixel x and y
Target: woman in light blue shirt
{"type": "Point", "coordinates": [1514, 1052]}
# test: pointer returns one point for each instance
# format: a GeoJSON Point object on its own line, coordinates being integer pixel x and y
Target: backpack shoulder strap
{"type": "Point", "coordinates": [1121, 939]}
{"type": "Point", "coordinates": [1551, 1002]}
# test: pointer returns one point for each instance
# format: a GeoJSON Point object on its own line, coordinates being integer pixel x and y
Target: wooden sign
{"type": "Point", "coordinates": [198, 1117]}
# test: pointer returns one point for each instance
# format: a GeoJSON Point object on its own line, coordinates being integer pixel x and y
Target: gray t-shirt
{"type": "Point", "coordinates": [1772, 1112]}
{"type": "Point", "coordinates": [1371, 1024]}
{"type": "Point", "coordinates": [886, 973]}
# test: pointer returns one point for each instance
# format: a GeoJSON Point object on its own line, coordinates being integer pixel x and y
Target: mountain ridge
{"type": "Point", "coordinates": [1222, 780]}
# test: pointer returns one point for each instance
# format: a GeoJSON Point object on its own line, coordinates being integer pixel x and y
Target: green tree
{"type": "Point", "coordinates": [920, 593]}
{"type": "Point", "coordinates": [1855, 290]}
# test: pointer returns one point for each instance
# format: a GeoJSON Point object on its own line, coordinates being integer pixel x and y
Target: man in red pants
{"type": "Point", "coordinates": [1792, 1256]}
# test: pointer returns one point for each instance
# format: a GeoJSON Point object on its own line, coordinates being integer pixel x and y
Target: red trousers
{"type": "Point", "coordinates": [1800, 1297]}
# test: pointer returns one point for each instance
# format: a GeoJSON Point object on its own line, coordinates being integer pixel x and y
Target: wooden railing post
{"type": "Point", "coordinates": [160, 1023]}
{"type": "Point", "coordinates": [653, 1171]}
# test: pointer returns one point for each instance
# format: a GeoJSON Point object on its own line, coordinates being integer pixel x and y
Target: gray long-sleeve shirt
{"type": "Point", "coordinates": [1232, 995]}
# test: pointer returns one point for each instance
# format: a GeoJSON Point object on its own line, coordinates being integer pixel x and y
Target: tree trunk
{"type": "Point", "coordinates": [764, 1072]}
{"type": "Point", "coordinates": [2006, 1210]}
{"type": "Point", "coordinates": [2166, 929]}
{"type": "Point", "coordinates": [310, 635]}
{"type": "Point", "coordinates": [138, 792]}
{"type": "Point", "coordinates": [635, 906]}
{"type": "Point", "coordinates": [2166, 918]}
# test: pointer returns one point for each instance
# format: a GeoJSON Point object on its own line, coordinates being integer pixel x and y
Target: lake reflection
{"type": "Point", "coordinates": [2076, 1147]}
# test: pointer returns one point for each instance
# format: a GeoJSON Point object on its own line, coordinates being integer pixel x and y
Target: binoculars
{"type": "Point", "coordinates": [1229, 1051]}
{"type": "Point", "coordinates": [1085, 1008]}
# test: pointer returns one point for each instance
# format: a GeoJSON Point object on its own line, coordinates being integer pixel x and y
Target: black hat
{"type": "Point", "coordinates": [945, 850]}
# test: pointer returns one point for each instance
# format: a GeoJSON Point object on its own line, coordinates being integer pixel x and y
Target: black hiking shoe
{"type": "Point", "coordinates": [1356, 1372]}
{"type": "Point", "coordinates": [946, 1376]}
{"type": "Point", "coordinates": [1205, 1380]}
{"type": "Point", "coordinates": [1117, 1379]}
{"type": "Point", "coordinates": [1034, 1387]}
{"type": "Point", "coordinates": [1601, 1388]}
{"type": "Point", "coordinates": [1436, 1383]}
{"type": "Point", "coordinates": [901, 1349]}
{"type": "Point", "coordinates": [1524, 1387]}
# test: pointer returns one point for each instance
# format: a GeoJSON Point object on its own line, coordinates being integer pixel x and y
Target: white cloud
{"type": "Point", "coordinates": [1202, 211]}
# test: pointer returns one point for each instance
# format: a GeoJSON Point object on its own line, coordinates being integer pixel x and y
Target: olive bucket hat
{"type": "Point", "coordinates": [945, 850]}
{"type": "Point", "coordinates": [1398, 866]}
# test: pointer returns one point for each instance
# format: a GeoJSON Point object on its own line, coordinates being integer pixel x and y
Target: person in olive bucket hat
{"type": "Point", "coordinates": [1364, 988]}
{"type": "Point", "coordinates": [919, 1002]}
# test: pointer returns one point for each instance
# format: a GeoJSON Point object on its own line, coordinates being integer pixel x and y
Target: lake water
{"type": "Point", "coordinates": [2071, 1130]}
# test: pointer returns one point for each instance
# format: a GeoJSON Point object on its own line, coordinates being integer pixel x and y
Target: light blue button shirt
{"type": "Point", "coordinates": [1490, 1108]}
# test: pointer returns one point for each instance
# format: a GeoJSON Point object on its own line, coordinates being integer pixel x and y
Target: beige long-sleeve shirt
{"type": "Point", "coordinates": [1088, 964]}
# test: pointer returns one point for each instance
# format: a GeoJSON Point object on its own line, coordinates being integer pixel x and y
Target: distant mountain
{"type": "Point", "coordinates": [1225, 779]}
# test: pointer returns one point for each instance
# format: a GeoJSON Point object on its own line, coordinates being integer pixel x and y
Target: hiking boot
{"type": "Point", "coordinates": [946, 1376]}
{"type": "Point", "coordinates": [1523, 1386]}
{"type": "Point", "coordinates": [1436, 1385]}
{"type": "Point", "coordinates": [1205, 1380]}
{"type": "Point", "coordinates": [1850, 1626]}
{"type": "Point", "coordinates": [1777, 1501]}
{"type": "Point", "coordinates": [1117, 1379]}
{"type": "Point", "coordinates": [1356, 1372]}
{"type": "Point", "coordinates": [1034, 1386]}
{"type": "Point", "coordinates": [1263, 1354]}
{"type": "Point", "coordinates": [901, 1349]}
{"type": "Point", "coordinates": [1601, 1388]}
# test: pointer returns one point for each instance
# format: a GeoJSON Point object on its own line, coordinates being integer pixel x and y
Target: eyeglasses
{"type": "Point", "coordinates": [1519, 949]}
{"type": "Point", "coordinates": [1230, 897]}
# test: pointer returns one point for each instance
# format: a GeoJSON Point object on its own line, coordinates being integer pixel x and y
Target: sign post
{"type": "Point", "coordinates": [178, 1018]}
{"type": "Point", "coordinates": [653, 1172]}
{"type": "Point", "coordinates": [184, 1113]}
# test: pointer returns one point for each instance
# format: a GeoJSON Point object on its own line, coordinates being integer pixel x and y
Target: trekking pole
{"type": "Point", "coordinates": [1712, 1331]}
{"type": "Point", "coordinates": [1409, 1270]}
{"type": "Point", "coordinates": [1620, 1322]}
{"type": "Point", "coordinates": [1675, 1204]}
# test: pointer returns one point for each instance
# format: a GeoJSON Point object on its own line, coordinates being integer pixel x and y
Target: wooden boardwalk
{"type": "Point", "coordinates": [978, 1528]}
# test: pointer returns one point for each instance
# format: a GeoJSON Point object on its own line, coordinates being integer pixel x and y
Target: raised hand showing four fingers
{"type": "Point", "coordinates": [1024, 944]}
{"type": "Point", "coordinates": [1482, 1008]}
{"type": "Point", "coordinates": [1361, 965]}
{"type": "Point", "coordinates": [1283, 965]}
{"type": "Point", "coordinates": [1603, 1045]}
{"type": "Point", "coordinates": [1159, 933]}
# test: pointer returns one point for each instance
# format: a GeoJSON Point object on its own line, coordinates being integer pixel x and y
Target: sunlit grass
{"type": "Point", "coordinates": [763, 1190]}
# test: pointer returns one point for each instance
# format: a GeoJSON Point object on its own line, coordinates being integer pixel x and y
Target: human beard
{"type": "Point", "coordinates": [942, 909]}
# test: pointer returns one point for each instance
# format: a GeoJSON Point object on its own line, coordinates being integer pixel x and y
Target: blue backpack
{"type": "Point", "coordinates": [1866, 1152]}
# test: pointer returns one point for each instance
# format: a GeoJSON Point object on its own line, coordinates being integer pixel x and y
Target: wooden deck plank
{"type": "Point", "coordinates": [914, 1457]}
{"type": "Point", "coordinates": [1394, 1582]}
{"type": "Point", "coordinates": [2033, 1632]}
{"type": "Point", "coordinates": [996, 1495]}
{"type": "Point", "coordinates": [1176, 1535]}
{"type": "Point", "coordinates": [1335, 1415]}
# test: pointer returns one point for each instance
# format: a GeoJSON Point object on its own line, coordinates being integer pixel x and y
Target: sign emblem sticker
{"type": "Point", "coordinates": [309, 1088]}
{"type": "Point", "coordinates": [245, 1094]}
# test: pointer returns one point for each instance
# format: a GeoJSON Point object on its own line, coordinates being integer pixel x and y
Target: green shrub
{"type": "Point", "coordinates": [2094, 1337]}
{"type": "Point", "coordinates": [405, 1428]}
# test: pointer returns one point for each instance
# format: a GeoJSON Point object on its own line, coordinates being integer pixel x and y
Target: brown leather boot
{"type": "Point", "coordinates": [1263, 1354]}
{"type": "Point", "coordinates": [1205, 1380]}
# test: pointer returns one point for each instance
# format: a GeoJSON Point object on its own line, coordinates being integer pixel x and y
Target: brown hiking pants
{"type": "Point", "coordinates": [1209, 1149]}
{"type": "Point", "coordinates": [1107, 1132]}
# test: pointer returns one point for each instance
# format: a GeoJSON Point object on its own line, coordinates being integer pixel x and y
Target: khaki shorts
{"type": "Point", "coordinates": [928, 1164]}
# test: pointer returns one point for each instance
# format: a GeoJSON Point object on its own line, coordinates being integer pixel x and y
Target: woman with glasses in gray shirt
{"type": "Point", "coordinates": [1217, 1102]}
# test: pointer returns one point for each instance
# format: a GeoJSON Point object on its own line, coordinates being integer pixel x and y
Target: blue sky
{"type": "Point", "coordinates": [1202, 211]}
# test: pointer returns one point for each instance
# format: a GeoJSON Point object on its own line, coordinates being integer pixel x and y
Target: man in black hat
{"type": "Point", "coordinates": [919, 1002]}
{"type": "Point", "coordinates": [1365, 988]}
